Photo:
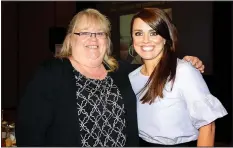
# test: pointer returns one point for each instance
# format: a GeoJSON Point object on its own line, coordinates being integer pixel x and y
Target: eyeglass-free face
{"type": "Point", "coordinates": [146, 42]}
{"type": "Point", "coordinates": [98, 35]}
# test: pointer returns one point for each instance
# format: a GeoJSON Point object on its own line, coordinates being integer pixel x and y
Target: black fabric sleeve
{"type": "Point", "coordinates": [35, 111]}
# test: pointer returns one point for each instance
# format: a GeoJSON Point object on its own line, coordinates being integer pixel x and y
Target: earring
{"type": "Point", "coordinates": [131, 51]}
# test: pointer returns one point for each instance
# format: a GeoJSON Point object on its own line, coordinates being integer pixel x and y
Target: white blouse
{"type": "Point", "coordinates": [176, 117]}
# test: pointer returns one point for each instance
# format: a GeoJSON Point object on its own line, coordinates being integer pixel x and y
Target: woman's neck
{"type": "Point", "coordinates": [147, 69]}
{"type": "Point", "coordinates": [98, 72]}
{"type": "Point", "coordinates": [149, 66]}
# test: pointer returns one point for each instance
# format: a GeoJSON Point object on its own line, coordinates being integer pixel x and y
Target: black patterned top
{"type": "Point", "coordinates": [101, 112]}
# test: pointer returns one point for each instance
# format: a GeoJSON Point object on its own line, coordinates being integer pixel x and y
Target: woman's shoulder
{"type": "Point", "coordinates": [135, 72]}
{"type": "Point", "coordinates": [187, 74]}
{"type": "Point", "coordinates": [123, 64]}
{"type": "Point", "coordinates": [54, 64]}
{"type": "Point", "coordinates": [126, 66]}
{"type": "Point", "coordinates": [53, 70]}
{"type": "Point", "coordinates": [49, 63]}
{"type": "Point", "coordinates": [184, 67]}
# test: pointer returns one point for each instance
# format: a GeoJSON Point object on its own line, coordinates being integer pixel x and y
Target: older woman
{"type": "Point", "coordinates": [77, 99]}
{"type": "Point", "coordinates": [80, 98]}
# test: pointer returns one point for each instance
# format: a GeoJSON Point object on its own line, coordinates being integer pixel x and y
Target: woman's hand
{"type": "Point", "coordinates": [196, 62]}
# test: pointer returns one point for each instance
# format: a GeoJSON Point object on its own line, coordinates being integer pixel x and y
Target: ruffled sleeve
{"type": "Point", "coordinates": [203, 107]}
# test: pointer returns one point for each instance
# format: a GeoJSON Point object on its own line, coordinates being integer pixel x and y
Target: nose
{"type": "Point", "coordinates": [145, 38]}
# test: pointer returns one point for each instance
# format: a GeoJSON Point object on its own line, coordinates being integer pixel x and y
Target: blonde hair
{"type": "Point", "coordinates": [95, 16]}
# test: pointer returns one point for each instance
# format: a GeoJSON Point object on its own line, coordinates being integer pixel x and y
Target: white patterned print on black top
{"type": "Point", "coordinates": [101, 112]}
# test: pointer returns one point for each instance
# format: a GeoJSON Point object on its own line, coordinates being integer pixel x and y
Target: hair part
{"type": "Point", "coordinates": [165, 70]}
{"type": "Point", "coordinates": [90, 17]}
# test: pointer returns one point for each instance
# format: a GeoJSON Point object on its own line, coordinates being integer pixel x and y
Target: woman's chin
{"type": "Point", "coordinates": [95, 62]}
{"type": "Point", "coordinates": [93, 58]}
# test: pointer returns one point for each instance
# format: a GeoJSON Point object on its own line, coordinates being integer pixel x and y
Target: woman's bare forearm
{"type": "Point", "coordinates": [206, 135]}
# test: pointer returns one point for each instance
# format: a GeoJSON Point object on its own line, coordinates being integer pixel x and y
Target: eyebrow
{"type": "Point", "coordinates": [86, 30]}
{"type": "Point", "coordinates": [142, 30]}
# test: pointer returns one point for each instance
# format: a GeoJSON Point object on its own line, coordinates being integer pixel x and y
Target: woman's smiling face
{"type": "Point", "coordinates": [89, 49]}
{"type": "Point", "coordinates": [147, 43]}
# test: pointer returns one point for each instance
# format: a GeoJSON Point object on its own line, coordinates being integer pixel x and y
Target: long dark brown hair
{"type": "Point", "coordinates": [165, 70]}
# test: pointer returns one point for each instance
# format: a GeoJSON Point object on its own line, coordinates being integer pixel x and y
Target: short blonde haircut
{"type": "Point", "coordinates": [93, 17]}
